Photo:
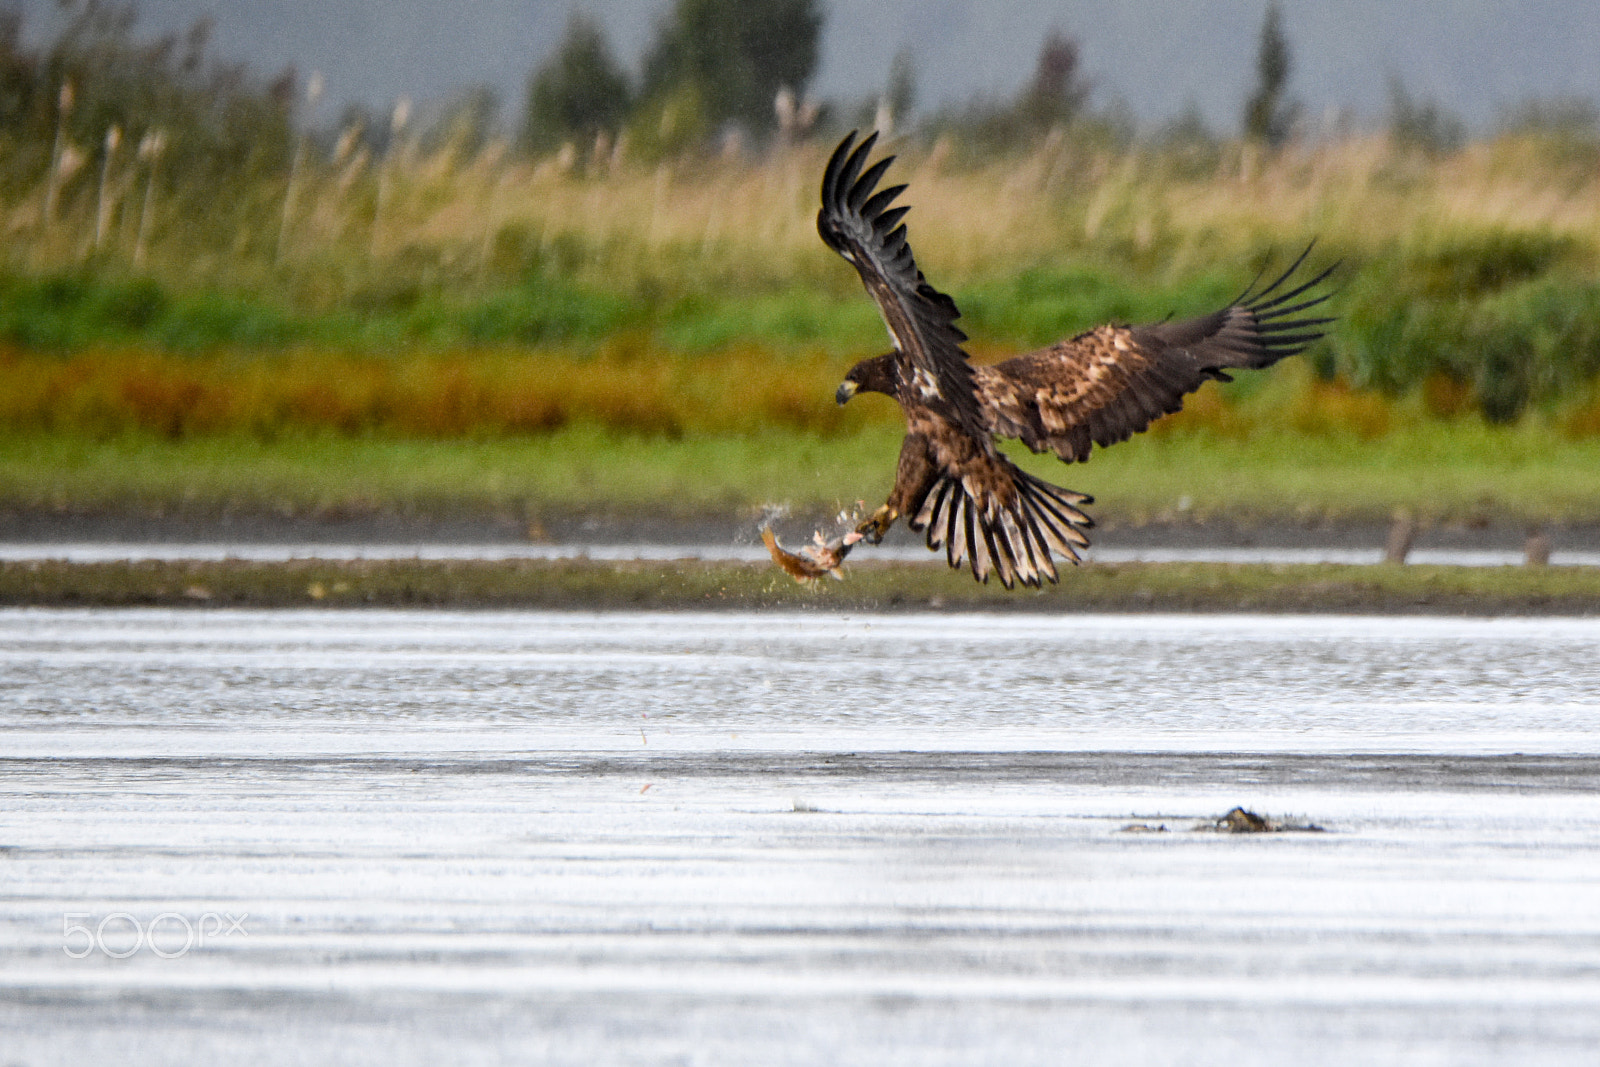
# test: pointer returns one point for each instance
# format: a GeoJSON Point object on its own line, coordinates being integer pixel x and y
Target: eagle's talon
{"type": "Point", "coordinates": [873, 529]}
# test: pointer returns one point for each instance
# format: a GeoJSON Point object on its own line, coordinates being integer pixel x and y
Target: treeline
{"type": "Point", "coordinates": [103, 118]}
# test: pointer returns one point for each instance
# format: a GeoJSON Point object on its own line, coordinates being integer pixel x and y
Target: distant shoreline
{"type": "Point", "coordinates": [644, 525]}
{"type": "Point", "coordinates": [591, 585]}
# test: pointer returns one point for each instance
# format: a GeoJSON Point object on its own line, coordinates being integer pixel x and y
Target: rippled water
{"type": "Point", "coordinates": [397, 837]}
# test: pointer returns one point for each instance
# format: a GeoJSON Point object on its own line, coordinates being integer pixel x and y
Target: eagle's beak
{"type": "Point", "coordinates": [847, 389]}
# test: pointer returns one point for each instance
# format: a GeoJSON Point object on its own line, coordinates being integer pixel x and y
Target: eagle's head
{"type": "Point", "coordinates": [875, 375]}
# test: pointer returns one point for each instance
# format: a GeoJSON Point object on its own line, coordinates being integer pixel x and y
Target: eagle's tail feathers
{"type": "Point", "coordinates": [1017, 543]}
{"type": "Point", "coordinates": [1059, 514]}
{"type": "Point", "coordinates": [1016, 559]}
{"type": "Point", "coordinates": [1043, 562]}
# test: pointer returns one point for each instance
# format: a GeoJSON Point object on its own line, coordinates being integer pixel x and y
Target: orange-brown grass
{"type": "Point", "coordinates": [1288, 400]}
{"type": "Point", "coordinates": [433, 395]}
{"type": "Point", "coordinates": [628, 385]}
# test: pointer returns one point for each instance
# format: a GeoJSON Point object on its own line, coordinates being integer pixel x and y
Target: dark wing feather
{"type": "Point", "coordinates": [1110, 383]}
{"type": "Point", "coordinates": [859, 224]}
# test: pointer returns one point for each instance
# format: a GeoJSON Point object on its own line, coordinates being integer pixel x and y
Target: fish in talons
{"type": "Point", "coordinates": [822, 557]}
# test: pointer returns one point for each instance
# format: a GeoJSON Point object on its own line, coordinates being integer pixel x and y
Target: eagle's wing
{"type": "Point", "coordinates": [859, 224]}
{"type": "Point", "coordinates": [1110, 383]}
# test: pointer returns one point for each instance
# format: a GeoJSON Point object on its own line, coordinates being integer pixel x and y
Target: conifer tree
{"type": "Point", "coordinates": [1269, 115]}
{"type": "Point", "coordinates": [579, 92]}
{"type": "Point", "coordinates": [734, 56]}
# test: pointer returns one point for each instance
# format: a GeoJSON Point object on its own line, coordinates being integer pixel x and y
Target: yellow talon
{"type": "Point", "coordinates": [874, 528]}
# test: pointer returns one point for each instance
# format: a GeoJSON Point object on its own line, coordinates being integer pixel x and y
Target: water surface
{"type": "Point", "coordinates": [705, 838]}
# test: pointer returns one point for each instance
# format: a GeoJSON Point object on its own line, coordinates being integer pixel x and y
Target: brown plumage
{"type": "Point", "coordinates": [1097, 388]}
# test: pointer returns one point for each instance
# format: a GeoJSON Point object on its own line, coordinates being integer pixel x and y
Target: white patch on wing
{"type": "Point", "coordinates": [893, 337]}
{"type": "Point", "coordinates": [926, 387]}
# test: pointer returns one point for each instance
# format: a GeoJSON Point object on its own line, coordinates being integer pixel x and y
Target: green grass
{"type": "Point", "coordinates": [69, 312]}
{"type": "Point", "coordinates": [575, 469]}
{"type": "Point", "coordinates": [1461, 470]}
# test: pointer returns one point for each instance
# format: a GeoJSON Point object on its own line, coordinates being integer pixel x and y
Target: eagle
{"type": "Point", "coordinates": [1099, 387]}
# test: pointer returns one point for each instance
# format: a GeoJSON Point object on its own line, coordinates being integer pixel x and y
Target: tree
{"type": "Point", "coordinates": [1056, 96]}
{"type": "Point", "coordinates": [1187, 145]}
{"type": "Point", "coordinates": [734, 55]}
{"type": "Point", "coordinates": [1058, 91]}
{"type": "Point", "coordinates": [579, 92]}
{"type": "Point", "coordinates": [465, 122]}
{"type": "Point", "coordinates": [1422, 124]}
{"type": "Point", "coordinates": [1268, 114]}
{"type": "Point", "coordinates": [900, 95]}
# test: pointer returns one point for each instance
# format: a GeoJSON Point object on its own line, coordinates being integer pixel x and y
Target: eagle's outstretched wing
{"type": "Point", "coordinates": [1108, 384]}
{"type": "Point", "coordinates": [859, 224]}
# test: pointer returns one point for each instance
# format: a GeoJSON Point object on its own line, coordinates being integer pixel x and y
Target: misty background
{"type": "Point", "coordinates": [1476, 59]}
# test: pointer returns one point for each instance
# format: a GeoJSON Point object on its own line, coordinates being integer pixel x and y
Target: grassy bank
{"type": "Point", "coordinates": [576, 584]}
{"type": "Point", "coordinates": [665, 337]}
{"type": "Point", "coordinates": [1455, 471]}
{"type": "Point", "coordinates": [1470, 276]}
